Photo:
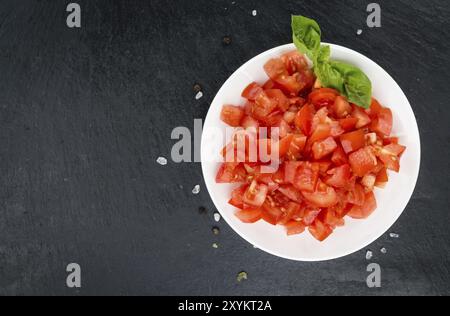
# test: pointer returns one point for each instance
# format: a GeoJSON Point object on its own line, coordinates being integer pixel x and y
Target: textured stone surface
{"type": "Point", "coordinates": [85, 113]}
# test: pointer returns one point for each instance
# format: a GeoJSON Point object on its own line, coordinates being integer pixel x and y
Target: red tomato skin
{"type": "Point", "coordinates": [249, 216]}
{"type": "Point", "coordinates": [339, 157]}
{"type": "Point", "coordinates": [271, 214]}
{"type": "Point", "coordinates": [289, 211]}
{"type": "Point", "coordinates": [237, 197]}
{"type": "Point", "coordinates": [256, 194]}
{"type": "Point", "coordinates": [323, 197]}
{"type": "Point", "coordinates": [275, 68]}
{"type": "Point", "coordinates": [341, 107]}
{"type": "Point", "coordinates": [320, 231]}
{"type": "Point", "coordinates": [306, 177]}
{"type": "Point", "coordinates": [290, 170]}
{"type": "Point", "coordinates": [291, 193]}
{"type": "Point", "coordinates": [227, 173]}
{"type": "Point", "coordinates": [249, 122]}
{"type": "Point", "coordinates": [363, 161]}
{"type": "Point", "coordinates": [323, 97]}
{"type": "Point", "coordinates": [304, 118]}
{"type": "Point", "coordinates": [297, 145]}
{"type": "Point", "coordinates": [364, 211]}
{"type": "Point", "coordinates": [324, 148]}
{"type": "Point", "coordinates": [252, 91]}
{"type": "Point", "coordinates": [382, 124]}
{"type": "Point", "coordinates": [279, 98]}
{"type": "Point", "coordinates": [294, 228]}
{"type": "Point", "coordinates": [348, 124]}
{"type": "Point", "coordinates": [357, 195]}
{"type": "Point", "coordinates": [353, 141]}
{"type": "Point", "coordinates": [232, 115]}
{"type": "Point", "coordinates": [339, 176]}
{"type": "Point", "coordinates": [363, 118]}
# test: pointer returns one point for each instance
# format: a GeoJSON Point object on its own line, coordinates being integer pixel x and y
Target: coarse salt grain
{"type": "Point", "coordinates": [199, 95]}
{"type": "Point", "coordinates": [217, 217]}
{"type": "Point", "coordinates": [196, 189]}
{"type": "Point", "coordinates": [394, 235]}
{"type": "Point", "coordinates": [162, 161]}
{"type": "Point", "coordinates": [254, 13]}
{"type": "Point", "coordinates": [369, 255]}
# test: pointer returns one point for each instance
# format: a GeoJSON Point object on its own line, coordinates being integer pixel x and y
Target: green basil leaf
{"type": "Point", "coordinates": [328, 76]}
{"type": "Point", "coordinates": [306, 35]}
{"type": "Point", "coordinates": [356, 85]}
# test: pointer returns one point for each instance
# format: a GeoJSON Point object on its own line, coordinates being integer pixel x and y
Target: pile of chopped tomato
{"type": "Point", "coordinates": [332, 153]}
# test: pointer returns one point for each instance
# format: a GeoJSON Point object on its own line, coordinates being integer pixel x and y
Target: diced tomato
{"type": "Point", "coordinates": [339, 157]}
{"type": "Point", "coordinates": [382, 124]}
{"type": "Point", "coordinates": [290, 84]}
{"type": "Point", "coordinates": [353, 141]}
{"type": "Point", "coordinates": [294, 62]}
{"type": "Point", "coordinates": [364, 211]}
{"type": "Point", "coordinates": [275, 68]}
{"type": "Point", "coordinates": [368, 181]}
{"type": "Point", "coordinates": [248, 107]}
{"type": "Point", "coordinates": [269, 84]}
{"type": "Point", "coordinates": [263, 106]}
{"type": "Point", "coordinates": [231, 172]}
{"type": "Point", "coordinates": [357, 195]}
{"type": "Point", "coordinates": [394, 149]}
{"type": "Point", "coordinates": [237, 196]}
{"type": "Point", "coordinates": [291, 209]}
{"type": "Point", "coordinates": [341, 107]}
{"type": "Point", "coordinates": [279, 98]}
{"type": "Point", "coordinates": [294, 228]}
{"type": "Point", "coordinates": [330, 218]}
{"type": "Point", "coordinates": [271, 213]}
{"type": "Point", "coordinates": [375, 108]}
{"type": "Point", "coordinates": [306, 177]}
{"type": "Point", "coordinates": [320, 231]}
{"type": "Point", "coordinates": [363, 118]}
{"type": "Point", "coordinates": [390, 140]}
{"type": "Point", "coordinates": [310, 215]}
{"type": "Point", "coordinates": [297, 145]}
{"type": "Point", "coordinates": [336, 129]}
{"type": "Point", "coordinates": [249, 122]}
{"type": "Point", "coordinates": [339, 176]}
{"type": "Point", "coordinates": [291, 193]}
{"type": "Point", "coordinates": [324, 148]}
{"type": "Point", "coordinates": [232, 115]}
{"type": "Point", "coordinates": [390, 156]}
{"type": "Point", "coordinates": [349, 123]}
{"type": "Point", "coordinates": [256, 194]}
{"type": "Point", "coordinates": [324, 196]}
{"type": "Point", "coordinates": [321, 132]}
{"type": "Point", "coordinates": [324, 166]}
{"type": "Point", "coordinates": [304, 119]}
{"type": "Point", "coordinates": [284, 127]}
{"type": "Point", "coordinates": [382, 178]}
{"type": "Point", "coordinates": [290, 170]}
{"type": "Point", "coordinates": [252, 91]}
{"type": "Point", "coordinates": [323, 97]}
{"type": "Point", "coordinates": [363, 161]}
{"type": "Point", "coordinates": [284, 145]}
{"type": "Point", "coordinates": [249, 216]}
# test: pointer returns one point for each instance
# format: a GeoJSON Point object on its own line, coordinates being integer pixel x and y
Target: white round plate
{"type": "Point", "coordinates": [356, 234]}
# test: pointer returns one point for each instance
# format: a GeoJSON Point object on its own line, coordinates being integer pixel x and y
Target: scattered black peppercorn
{"type": "Point", "coordinates": [226, 40]}
{"type": "Point", "coordinates": [216, 230]}
{"type": "Point", "coordinates": [202, 210]}
{"type": "Point", "coordinates": [197, 88]}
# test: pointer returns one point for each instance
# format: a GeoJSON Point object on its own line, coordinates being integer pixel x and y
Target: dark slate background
{"type": "Point", "coordinates": [84, 113]}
